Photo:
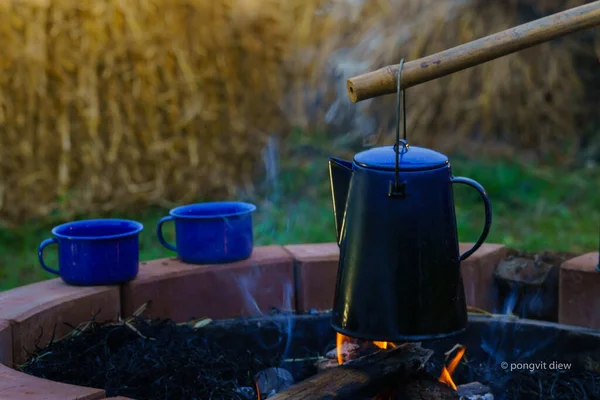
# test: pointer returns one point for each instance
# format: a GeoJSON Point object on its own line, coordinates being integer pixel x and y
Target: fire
{"type": "Point", "coordinates": [384, 345]}
{"type": "Point", "coordinates": [447, 371]}
{"type": "Point", "coordinates": [341, 339]}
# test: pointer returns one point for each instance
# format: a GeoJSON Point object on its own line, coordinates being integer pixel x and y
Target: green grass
{"type": "Point", "coordinates": [534, 209]}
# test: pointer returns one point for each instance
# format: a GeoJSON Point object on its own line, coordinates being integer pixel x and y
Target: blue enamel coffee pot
{"type": "Point", "coordinates": [399, 273]}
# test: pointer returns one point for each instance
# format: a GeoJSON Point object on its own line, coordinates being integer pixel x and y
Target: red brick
{"type": "Point", "coordinates": [315, 270]}
{"type": "Point", "coordinates": [478, 273]}
{"type": "Point", "coordinates": [16, 385]}
{"type": "Point", "coordinates": [40, 307]}
{"type": "Point", "coordinates": [182, 291]}
{"type": "Point", "coordinates": [578, 296]}
{"type": "Point", "coordinates": [6, 355]}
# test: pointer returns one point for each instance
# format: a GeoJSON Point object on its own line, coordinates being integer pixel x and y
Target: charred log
{"type": "Point", "coordinates": [425, 389]}
{"type": "Point", "coordinates": [362, 375]}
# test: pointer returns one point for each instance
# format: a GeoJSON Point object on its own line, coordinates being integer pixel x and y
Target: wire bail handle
{"type": "Point", "coordinates": [397, 188]}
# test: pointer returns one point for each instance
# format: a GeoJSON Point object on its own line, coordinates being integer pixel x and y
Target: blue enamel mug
{"type": "Point", "coordinates": [95, 252]}
{"type": "Point", "coordinates": [211, 233]}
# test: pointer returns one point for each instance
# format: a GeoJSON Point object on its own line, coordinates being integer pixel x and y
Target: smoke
{"type": "Point", "coordinates": [511, 301]}
{"type": "Point", "coordinates": [250, 289]}
{"type": "Point", "coordinates": [503, 339]}
{"type": "Point", "coordinates": [271, 160]}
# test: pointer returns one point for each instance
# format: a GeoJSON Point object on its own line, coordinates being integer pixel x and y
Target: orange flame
{"type": "Point", "coordinates": [341, 339]}
{"type": "Point", "coordinates": [446, 376]}
{"type": "Point", "coordinates": [384, 345]}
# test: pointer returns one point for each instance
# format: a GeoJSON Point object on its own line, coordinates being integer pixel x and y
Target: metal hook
{"type": "Point", "coordinates": [400, 66]}
{"type": "Point", "coordinates": [397, 189]}
{"type": "Point", "coordinates": [404, 146]}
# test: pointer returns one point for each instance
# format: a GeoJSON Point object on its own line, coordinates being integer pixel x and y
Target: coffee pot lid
{"type": "Point", "coordinates": [412, 158]}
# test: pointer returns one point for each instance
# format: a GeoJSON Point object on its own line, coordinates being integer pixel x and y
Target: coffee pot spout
{"type": "Point", "coordinates": [340, 175]}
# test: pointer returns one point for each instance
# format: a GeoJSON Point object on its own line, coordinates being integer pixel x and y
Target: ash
{"type": "Point", "coordinates": [160, 359]}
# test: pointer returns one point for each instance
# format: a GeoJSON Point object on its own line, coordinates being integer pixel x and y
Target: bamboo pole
{"type": "Point", "coordinates": [384, 81]}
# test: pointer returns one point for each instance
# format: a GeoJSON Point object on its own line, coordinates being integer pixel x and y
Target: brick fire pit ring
{"type": "Point", "coordinates": [273, 275]}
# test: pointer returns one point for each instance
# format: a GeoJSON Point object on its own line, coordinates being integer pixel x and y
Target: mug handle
{"type": "Point", "coordinates": [488, 213]}
{"type": "Point", "coordinates": [43, 245]}
{"type": "Point", "coordinates": [159, 233]}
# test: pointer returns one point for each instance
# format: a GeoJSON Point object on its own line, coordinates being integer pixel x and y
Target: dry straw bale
{"type": "Point", "coordinates": [535, 99]}
{"type": "Point", "coordinates": [109, 104]}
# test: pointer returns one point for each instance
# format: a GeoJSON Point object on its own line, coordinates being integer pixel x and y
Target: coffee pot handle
{"type": "Point", "coordinates": [488, 214]}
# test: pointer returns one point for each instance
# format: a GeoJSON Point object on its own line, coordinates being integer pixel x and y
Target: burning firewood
{"type": "Point", "coordinates": [417, 386]}
{"type": "Point", "coordinates": [361, 375]}
{"type": "Point", "coordinates": [344, 352]}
